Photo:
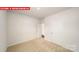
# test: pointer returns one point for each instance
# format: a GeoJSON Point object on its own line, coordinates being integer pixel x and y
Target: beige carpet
{"type": "Point", "coordinates": [37, 45]}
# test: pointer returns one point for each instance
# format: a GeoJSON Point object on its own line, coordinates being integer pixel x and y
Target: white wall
{"type": "Point", "coordinates": [21, 28]}
{"type": "Point", "coordinates": [3, 31]}
{"type": "Point", "coordinates": [63, 28]}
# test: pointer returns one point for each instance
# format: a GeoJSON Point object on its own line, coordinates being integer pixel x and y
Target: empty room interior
{"type": "Point", "coordinates": [40, 29]}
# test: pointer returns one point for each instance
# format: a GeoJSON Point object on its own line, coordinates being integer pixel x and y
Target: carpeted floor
{"type": "Point", "coordinates": [37, 45]}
